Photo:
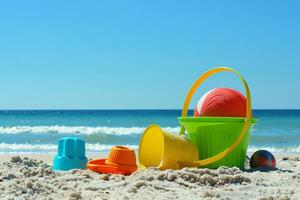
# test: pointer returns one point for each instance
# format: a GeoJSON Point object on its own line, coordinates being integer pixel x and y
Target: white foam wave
{"type": "Point", "coordinates": [52, 147]}
{"type": "Point", "coordinates": [79, 130]}
{"type": "Point", "coordinates": [289, 149]}
{"type": "Point", "coordinates": [91, 147]}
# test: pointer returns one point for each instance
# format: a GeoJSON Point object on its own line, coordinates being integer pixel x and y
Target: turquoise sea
{"type": "Point", "coordinates": [37, 131]}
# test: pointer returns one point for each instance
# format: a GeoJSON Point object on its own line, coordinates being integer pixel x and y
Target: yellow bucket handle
{"type": "Point", "coordinates": [248, 118]}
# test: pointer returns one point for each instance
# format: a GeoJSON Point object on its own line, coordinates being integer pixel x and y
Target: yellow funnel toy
{"type": "Point", "coordinates": [161, 149]}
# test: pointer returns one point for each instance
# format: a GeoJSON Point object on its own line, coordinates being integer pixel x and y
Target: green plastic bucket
{"type": "Point", "coordinates": [221, 141]}
{"type": "Point", "coordinates": [212, 135]}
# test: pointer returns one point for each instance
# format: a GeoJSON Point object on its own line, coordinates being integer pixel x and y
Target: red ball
{"type": "Point", "coordinates": [221, 102]}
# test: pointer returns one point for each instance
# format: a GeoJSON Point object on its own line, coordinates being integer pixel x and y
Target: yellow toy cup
{"type": "Point", "coordinates": [219, 140]}
{"type": "Point", "coordinates": [165, 150]}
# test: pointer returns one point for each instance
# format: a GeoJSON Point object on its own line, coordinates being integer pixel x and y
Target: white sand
{"type": "Point", "coordinates": [24, 178]}
{"type": "Point", "coordinates": [47, 158]}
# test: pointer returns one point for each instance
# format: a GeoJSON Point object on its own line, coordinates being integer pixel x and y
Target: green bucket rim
{"type": "Point", "coordinates": [216, 119]}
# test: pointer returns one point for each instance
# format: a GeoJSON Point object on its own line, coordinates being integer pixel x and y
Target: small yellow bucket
{"type": "Point", "coordinates": [164, 150]}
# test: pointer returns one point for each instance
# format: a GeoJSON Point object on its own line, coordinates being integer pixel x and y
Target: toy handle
{"type": "Point", "coordinates": [248, 118]}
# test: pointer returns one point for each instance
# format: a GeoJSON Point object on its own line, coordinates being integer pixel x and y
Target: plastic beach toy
{"type": "Point", "coordinates": [262, 159]}
{"type": "Point", "coordinates": [221, 102]}
{"type": "Point", "coordinates": [164, 150]}
{"type": "Point", "coordinates": [71, 154]}
{"type": "Point", "coordinates": [211, 141]}
{"type": "Point", "coordinates": [121, 160]}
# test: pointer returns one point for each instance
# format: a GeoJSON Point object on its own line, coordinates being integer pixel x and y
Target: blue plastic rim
{"type": "Point", "coordinates": [70, 155]}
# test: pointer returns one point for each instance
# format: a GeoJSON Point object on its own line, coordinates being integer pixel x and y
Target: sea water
{"type": "Point", "coordinates": [38, 131]}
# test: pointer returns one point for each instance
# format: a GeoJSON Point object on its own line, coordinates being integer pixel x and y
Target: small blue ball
{"type": "Point", "coordinates": [263, 159]}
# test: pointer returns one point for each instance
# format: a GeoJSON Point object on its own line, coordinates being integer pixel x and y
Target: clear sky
{"type": "Point", "coordinates": [145, 54]}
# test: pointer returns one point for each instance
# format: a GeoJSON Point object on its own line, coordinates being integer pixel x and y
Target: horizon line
{"type": "Point", "coordinates": [120, 109]}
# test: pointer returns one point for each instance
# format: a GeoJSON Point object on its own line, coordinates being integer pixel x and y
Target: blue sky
{"type": "Point", "coordinates": [145, 54]}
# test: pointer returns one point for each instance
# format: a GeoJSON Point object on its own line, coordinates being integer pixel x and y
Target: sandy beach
{"type": "Point", "coordinates": [32, 178]}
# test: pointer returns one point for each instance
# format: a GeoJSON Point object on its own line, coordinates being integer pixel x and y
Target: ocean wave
{"type": "Point", "coordinates": [273, 149]}
{"type": "Point", "coordinates": [93, 147]}
{"type": "Point", "coordinates": [78, 130]}
{"type": "Point", "coordinates": [52, 147]}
